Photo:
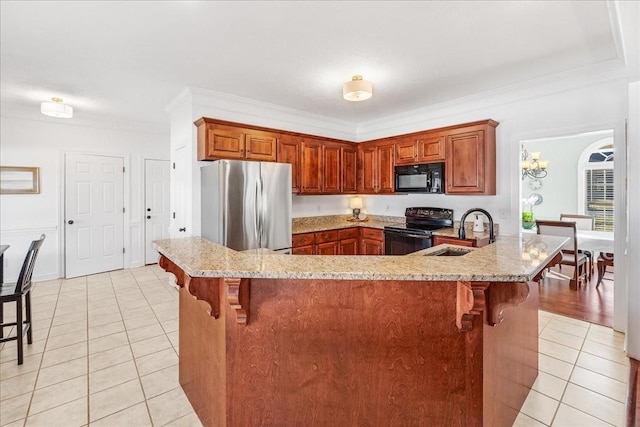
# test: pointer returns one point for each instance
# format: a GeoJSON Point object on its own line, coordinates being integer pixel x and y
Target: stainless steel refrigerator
{"type": "Point", "coordinates": [247, 205]}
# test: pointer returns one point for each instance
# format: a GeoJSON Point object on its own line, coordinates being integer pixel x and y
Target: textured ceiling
{"type": "Point", "coordinates": [126, 61]}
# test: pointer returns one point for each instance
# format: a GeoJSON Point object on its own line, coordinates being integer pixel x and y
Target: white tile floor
{"type": "Point", "coordinates": [105, 353]}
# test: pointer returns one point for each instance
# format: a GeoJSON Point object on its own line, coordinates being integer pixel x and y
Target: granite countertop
{"type": "Point", "coordinates": [336, 222]}
{"type": "Point", "coordinates": [510, 259]}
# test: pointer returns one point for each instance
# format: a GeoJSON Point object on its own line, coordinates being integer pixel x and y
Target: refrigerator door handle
{"type": "Point", "coordinates": [256, 219]}
{"type": "Point", "coordinates": [263, 213]}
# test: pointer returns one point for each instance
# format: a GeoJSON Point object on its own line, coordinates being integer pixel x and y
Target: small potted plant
{"type": "Point", "coordinates": [527, 220]}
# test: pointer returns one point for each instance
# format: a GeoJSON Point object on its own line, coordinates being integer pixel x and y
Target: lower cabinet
{"type": "Point", "coordinates": [372, 242]}
{"type": "Point", "coordinates": [439, 240]}
{"type": "Point", "coordinates": [303, 244]}
{"type": "Point", "coordinates": [345, 241]}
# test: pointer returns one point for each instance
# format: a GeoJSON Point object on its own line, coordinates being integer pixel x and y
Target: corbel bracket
{"type": "Point", "coordinates": [238, 298]}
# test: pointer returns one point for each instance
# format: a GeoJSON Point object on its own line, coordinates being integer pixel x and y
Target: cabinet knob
{"type": "Point", "coordinates": [182, 229]}
{"type": "Point", "coordinates": [70, 222]}
{"type": "Point", "coordinates": [148, 216]}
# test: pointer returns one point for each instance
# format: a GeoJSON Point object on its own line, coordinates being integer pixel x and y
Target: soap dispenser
{"type": "Point", "coordinates": [478, 225]}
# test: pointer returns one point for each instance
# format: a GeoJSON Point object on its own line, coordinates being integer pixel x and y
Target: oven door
{"type": "Point", "coordinates": [405, 242]}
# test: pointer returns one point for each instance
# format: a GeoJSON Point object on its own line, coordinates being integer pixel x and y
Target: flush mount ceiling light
{"type": "Point", "coordinates": [55, 108]}
{"type": "Point", "coordinates": [357, 89]}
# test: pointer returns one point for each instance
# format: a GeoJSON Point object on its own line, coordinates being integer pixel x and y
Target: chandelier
{"type": "Point", "coordinates": [535, 168]}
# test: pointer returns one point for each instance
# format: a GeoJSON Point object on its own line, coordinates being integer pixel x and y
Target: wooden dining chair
{"type": "Point", "coordinates": [14, 292]}
{"type": "Point", "coordinates": [583, 222]}
{"type": "Point", "coordinates": [570, 254]}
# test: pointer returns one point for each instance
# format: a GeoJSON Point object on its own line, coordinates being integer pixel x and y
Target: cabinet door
{"type": "Point", "coordinates": [430, 148]}
{"type": "Point", "coordinates": [349, 246]}
{"type": "Point", "coordinates": [304, 250]}
{"type": "Point", "coordinates": [331, 155]}
{"type": "Point", "coordinates": [406, 151]}
{"type": "Point", "coordinates": [311, 170]}
{"type": "Point", "coordinates": [349, 168]}
{"type": "Point", "coordinates": [386, 177]}
{"type": "Point", "coordinates": [439, 240]}
{"type": "Point", "coordinates": [372, 247]}
{"type": "Point", "coordinates": [260, 146]}
{"type": "Point", "coordinates": [289, 152]}
{"type": "Point", "coordinates": [368, 160]}
{"type": "Point", "coordinates": [328, 248]}
{"type": "Point", "coordinates": [220, 143]}
{"type": "Point", "coordinates": [465, 165]}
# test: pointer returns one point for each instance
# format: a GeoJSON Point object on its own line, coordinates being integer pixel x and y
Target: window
{"type": "Point", "coordinates": [598, 187]}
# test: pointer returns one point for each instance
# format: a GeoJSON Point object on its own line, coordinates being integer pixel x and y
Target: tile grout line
{"type": "Point", "coordinates": [33, 391]}
{"type": "Point", "coordinates": [577, 385]}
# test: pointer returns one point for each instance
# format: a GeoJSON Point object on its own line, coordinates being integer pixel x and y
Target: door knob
{"type": "Point", "coordinates": [148, 216]}
{"type": "Point", "coordinates": [70, 221]}
{"type": "Point", "coordinates": [183, 229]}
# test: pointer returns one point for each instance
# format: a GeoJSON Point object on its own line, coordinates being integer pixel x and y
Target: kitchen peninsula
{"type": "Point", "coordinates": [358, 340]}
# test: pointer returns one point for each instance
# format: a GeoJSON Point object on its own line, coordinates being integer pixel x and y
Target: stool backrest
{"type": "Point", "coordinates": [560, 228]}
{"type": "Point", "coordinates": [24, 279]}
{"type": "Point", "coordinates": [583, 222]}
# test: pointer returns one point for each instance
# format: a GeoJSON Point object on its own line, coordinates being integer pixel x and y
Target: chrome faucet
{"type": "Point", "coordinates": [461, 233]}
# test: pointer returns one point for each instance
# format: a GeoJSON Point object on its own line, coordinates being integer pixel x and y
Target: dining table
{"type": "Point", "coordinates": [2, 249]}
{"type": "Point", "coordinates": [598, 242]}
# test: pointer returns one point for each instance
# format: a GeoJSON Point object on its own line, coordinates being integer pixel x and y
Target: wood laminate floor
{"type": "Point", "coordinates": [586, 303]}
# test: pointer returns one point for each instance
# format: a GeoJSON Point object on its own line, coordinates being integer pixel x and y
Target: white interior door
{"type": "Point", "coordinates": [94, 214]}
{"type": "Point", "coordinates": [156, 184]}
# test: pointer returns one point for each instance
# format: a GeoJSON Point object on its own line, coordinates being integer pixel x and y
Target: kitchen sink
{"type": "Point", "coordinates": [449, 252]}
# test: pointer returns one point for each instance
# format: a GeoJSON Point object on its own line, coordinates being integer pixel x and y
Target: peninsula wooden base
{"type": "Point", "coordinates": [327, 352]}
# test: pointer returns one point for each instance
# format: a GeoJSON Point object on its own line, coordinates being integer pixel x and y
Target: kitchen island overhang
{"type": "Point", "coordinates": [326, 340]}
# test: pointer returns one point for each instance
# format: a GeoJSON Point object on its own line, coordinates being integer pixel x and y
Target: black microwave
{"type": "Point", "coordinates": [425, 178]}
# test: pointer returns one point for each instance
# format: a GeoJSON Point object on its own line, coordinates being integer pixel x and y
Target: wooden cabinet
{"type": "Point", "coordinates": [349, 243]}
{"type": "Point", "coordinates": [332, 171]}
{"type": "Point", "coordinates": [349, 168]}
{"type": "Point", "coordinates": [372, 242]}
{"type": "Point", "coordinates": [328, 167]}
{"type": "Point", "coordinates": [470, 165]}
{"type": "Point", "coordinates": [328, 242]}
{"type": "Point", "coordinates": [222, 141]}
{"type": "Point", "coordinates": [303, 244]}
{"type": "Point", "coordinates": [376, 162]}
{"type": "Point", "coordinates": [289, 152]}
{"type": "Point", "coordinates": [439, 240]}
{"type": "Point", "coordinates": [421, 148]}
{"type": "Point", "coordinates": [311, 175]}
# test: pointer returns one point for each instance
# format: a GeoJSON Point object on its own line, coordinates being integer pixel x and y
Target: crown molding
{"type": "Point", "coordinates": [234, 108]}
{"type": "Point", "coordinates": [413, 120]}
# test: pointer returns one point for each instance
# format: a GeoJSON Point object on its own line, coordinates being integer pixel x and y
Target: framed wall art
{"type": "Point", "coordinates": [19, 180]}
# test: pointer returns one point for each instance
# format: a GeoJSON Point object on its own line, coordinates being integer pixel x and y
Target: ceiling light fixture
{"type": "Point", "coordinates": [357, 89]}
{"type": "Point", "coordinates": [55, 108]}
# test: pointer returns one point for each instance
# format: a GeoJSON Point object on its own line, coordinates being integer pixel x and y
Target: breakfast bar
{"type": "Point", "coordinates": [421, 339]}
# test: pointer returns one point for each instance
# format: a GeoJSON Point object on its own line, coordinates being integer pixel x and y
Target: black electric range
{"type": "Point", "coordinates": [416, 234]}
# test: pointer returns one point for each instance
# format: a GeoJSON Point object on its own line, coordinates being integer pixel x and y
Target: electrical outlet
{"type": "Point", "coordinates": [503, 213]}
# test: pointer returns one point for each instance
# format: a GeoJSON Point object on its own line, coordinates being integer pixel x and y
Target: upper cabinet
{"type": "Point", "coordinates": [470, 166]}
{"type": "Point", "coordinates": [376, 162]}
{"type": "Point", "coordinates": [420, 148]}
{"type": "Point", "coordinates": [349, 170]}
{"type": "Point", "coordinates": [217, 140]}
{"type": "Point", "coordinates": [311, 175]}
{"type": "Point", "coordinates": [328, 166]}
{"type": "Point", "coordinates": [289, 152]}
